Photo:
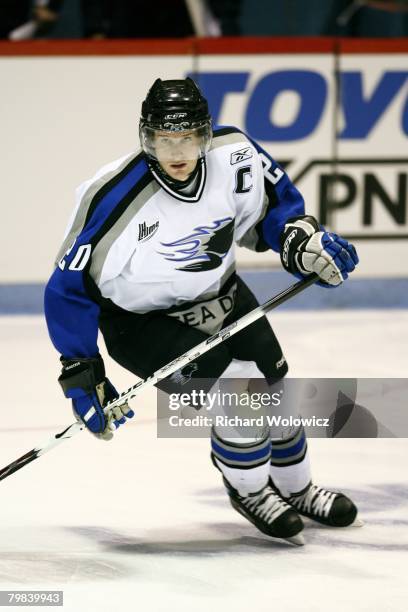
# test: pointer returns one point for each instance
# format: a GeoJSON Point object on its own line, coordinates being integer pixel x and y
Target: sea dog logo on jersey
{"type": "Point", "coordinates": [208, 244]}
{"type": "Point", "coordinates": [241, 155]}
{"type": "Point", "coordinates": [147, 231]}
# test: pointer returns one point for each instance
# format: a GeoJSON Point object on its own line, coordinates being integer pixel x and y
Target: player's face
{"type": "Point", "coordinates": [177, 153]}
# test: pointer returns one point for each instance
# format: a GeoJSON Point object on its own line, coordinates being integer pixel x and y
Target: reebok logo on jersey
{"type": "Point", "coordinates": [241, 155]}
{"type": "Point", "coordinates": [147, 231]}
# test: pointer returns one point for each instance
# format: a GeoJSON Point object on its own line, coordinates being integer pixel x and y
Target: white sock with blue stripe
{"type": "Point", "coordinates": [245, 464]}
{"type": "Point", "coordinates": [289, 465]}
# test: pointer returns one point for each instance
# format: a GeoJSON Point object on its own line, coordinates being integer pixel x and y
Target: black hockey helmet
{"type": "Point", "coordinates": [175, 106]}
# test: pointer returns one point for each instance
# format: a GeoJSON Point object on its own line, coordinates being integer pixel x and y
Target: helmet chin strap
{"type": "Point", "coordinates": [175, 184]}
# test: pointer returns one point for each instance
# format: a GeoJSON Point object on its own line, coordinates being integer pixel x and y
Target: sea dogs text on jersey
{"type": "Point", "coordinates": [208, 316]}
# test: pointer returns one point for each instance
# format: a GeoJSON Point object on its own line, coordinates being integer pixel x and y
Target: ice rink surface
{"type": "Point", "coordinates": [142, 523]}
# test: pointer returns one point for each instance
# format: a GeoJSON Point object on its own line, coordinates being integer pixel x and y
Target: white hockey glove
{"type": "Point", "coordinates": [307, 248]}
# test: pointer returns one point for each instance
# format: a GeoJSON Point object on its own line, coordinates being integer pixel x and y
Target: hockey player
{"type": "Point", "coordinates": [148, 258]}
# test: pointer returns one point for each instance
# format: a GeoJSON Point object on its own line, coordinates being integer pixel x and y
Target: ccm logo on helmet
{"type": "Point", "coordinates": [176, 116]}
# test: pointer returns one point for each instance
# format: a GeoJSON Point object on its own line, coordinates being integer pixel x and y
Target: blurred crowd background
{"type": "Point", "coordinates": [55, 19]}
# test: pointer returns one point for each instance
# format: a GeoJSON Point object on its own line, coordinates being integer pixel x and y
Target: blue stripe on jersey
{"type": "Point", "coordinates": [241, 457]}
{"type": "Point", "coordinates": [106, 206]}
{"type": "Point", "coordinates": [290, 201]}
{"type": "Point", "coordinates": [112, 198]}
{"type": "Point", "coordinates": [288, 452]}
{"type": "Point", "coordinates": [72, 317]}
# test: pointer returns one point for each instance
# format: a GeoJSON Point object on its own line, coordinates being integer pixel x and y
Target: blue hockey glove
{"type": "Point", "coordinates": [84, 381]}
{"type": "Point", "coordinates": [307, 248]}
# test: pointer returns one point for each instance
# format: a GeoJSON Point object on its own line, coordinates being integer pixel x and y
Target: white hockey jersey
{"type": "Point", "coordinates": [134, 244]}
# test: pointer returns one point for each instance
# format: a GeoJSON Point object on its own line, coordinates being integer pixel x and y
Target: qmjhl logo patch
{"type": "Point", "coordinates": [147, 231]}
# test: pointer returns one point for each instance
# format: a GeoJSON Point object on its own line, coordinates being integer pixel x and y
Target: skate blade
{"type": "Point", "coordinates": [297, 539]}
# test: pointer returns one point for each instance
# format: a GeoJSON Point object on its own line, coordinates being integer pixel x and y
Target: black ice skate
{"type": "Point", "coordinates": [326, 507]}
{"type": "Point", "coordinates": [269, 513]}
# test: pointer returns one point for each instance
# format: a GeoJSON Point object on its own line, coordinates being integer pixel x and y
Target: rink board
{"type": "Point", "coordinates": [68, 108]}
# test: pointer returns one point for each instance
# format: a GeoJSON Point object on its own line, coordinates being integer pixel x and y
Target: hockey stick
{"type": "Point", "coordinates": [166, 370]}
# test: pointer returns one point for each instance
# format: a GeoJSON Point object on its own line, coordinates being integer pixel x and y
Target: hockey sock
{"type": "Point", "coordinates": [289, 465]}
{"type": "Point", "coordinates": [244, 464]}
